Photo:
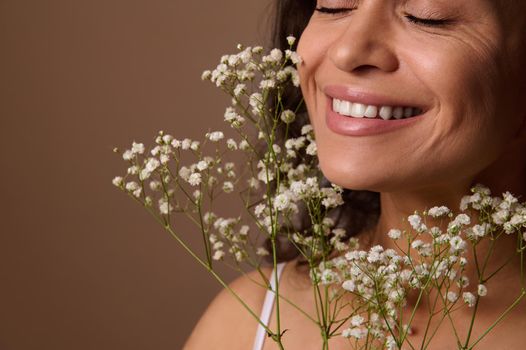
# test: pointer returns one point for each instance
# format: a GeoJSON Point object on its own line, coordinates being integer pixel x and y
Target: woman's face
{"type": "Point", "coordinates": [441, 93]}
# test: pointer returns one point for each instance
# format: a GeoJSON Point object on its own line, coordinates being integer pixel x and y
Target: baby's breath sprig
{"type": "Point", "coordinates": [433, 264]}
{"type": "Point", "coordinates": [359, 294]}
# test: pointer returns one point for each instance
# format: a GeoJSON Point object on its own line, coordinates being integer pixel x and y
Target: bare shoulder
{"type": "Point", "coordinates": [226, 323]}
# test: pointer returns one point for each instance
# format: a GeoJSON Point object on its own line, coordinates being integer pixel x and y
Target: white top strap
{"type": "Point", "coordinates": [267, 307]}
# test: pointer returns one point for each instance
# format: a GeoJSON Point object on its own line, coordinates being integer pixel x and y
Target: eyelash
{"type": "Point", "coordinates": [429, 22]}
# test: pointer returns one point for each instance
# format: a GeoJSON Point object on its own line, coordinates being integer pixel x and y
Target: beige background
{"type": "Point", "coordinates": [81, 265]}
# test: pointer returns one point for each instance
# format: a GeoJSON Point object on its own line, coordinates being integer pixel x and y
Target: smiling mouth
{"type": "Point", "coordinates": [359, 110]}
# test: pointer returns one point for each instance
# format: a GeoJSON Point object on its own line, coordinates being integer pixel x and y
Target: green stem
{"type": "Point", "coordinates": [211, 271]}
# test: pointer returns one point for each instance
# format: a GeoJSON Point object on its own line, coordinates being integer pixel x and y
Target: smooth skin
{"type": "Point", "coordinates": [471, 76]}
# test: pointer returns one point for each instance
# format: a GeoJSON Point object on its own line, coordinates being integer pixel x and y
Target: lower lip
{"type": "Point", "coordinates": [350, 126]}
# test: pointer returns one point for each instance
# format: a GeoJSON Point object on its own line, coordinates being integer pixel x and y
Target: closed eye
{"type": "Point", "coordinates": [430, 22]}
{"type": "Point", "coordinates": [333, 10]}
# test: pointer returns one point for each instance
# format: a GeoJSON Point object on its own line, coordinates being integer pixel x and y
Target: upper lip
{"type": "Point", "coordinates": [342, 92]}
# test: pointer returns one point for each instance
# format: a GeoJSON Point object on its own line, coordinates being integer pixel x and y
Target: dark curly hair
{"type": "Point", "coordinates": [361, 209]}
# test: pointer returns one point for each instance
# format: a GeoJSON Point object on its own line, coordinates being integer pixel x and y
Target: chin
{"type": "Point", "coordinates": [349, 175]}
{"type": "Point", "coordinates": [355, 172]}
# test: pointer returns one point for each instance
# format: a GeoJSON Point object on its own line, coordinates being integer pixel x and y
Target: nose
{"type": "Point", "coordinates": [364, 44]}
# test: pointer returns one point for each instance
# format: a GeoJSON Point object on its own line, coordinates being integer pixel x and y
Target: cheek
{"type": "Point", "coordinates": [464, 80]}
{"type": "Point", "coordinates": [312, 47]}
{"type": "Point", "coordinates": [469, 129]}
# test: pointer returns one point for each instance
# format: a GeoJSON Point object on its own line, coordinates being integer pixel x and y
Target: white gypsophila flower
{"type": "Point", "coordinates": [463, 282]}
{"type": "Point", "coordinates": [262, 251]}
{"type": "Point", "coordinates": [127, 155]}
{"type": "Point", "coordinates": [357, 320]}
{"type": "Point", "coordinates": [312, 149]}
{"type": "Point", "coordinates": [416, 223]}
{"type": "Point", "coordinates": [231, 144]}
{"type": "Point", "coordinates": [253, 183]}
{"type": "Point", "coordinates": [152, 164]}
{"type": "Point", "coordinates": [134, 188]}
{"type": "Point", "coordinates": [394, 234]}
{"type": "Point", "coordinates": [306, 129]}
{"type": "Point", "coordinates": [332, 198]}
{"type": "Point", "coordinates": [260, 209]}
{"type": "Point", "coordinates": [202, 165]}
{"type": "Point", "coordinates": [478, 231]}
{"type": "Point", "coordinates": [482, 290]}
{"type": "Point", "coordinates": [464, 203]}
{"type": "Point", "coordinates": [233, 60]}
{"type": "Point", "coordinates": [329, 277]}
{"type": "Point", "coordinates": [218, 245]}
{"type": "Point", "coordinates": [206, 75]}
{"type": "Point", "coordinates": [176, 144]}
{"type": "Point", "coordinates": [155, 185]}
{"type": "Point", "coordinates": [246, 55]}
{"type": "Point", "coordinates": [291, 40]}
{"type": "Point", "coordinates": [228, 187]}
{"type": "Point", "coordinates": [457, 244]}
{"type": "Point", "coordinates": [256, 101]}
{"type": "Point", "coordinates": [435, 232]}
{"type": "Point", "coordinates": [462, 219]}
{"type": "Point", "coordinates": [390, 343]}
{"type": "Point", "coordinates": [469, 299]}
{"type": "Point", "coordinates": [194, 179]}
{"type": "Point", "coordinates": [195, 145]}
{"type": "Point", "coordinates": [164, 206]}
{"type": "Point", "coordinates": [294, 76]}
{"type": "Point", "coordinates": [233, 118]}
{"type": "Point", "coordinates": [282, 201]}
{"type": "Point", "coordinates": [229, 166]}
{"type": "Point", "coordinates": [288, 116]}
{"type": "Point", "coordinates": [267, 84]}
{"type": "Point", "coordinates": [509, 198]}
{"type": "Point", "coordinates": [358, 333]}
{"type": "Point", "coordinates": [266, 176]}
{"type": "Point", "coordinates": [239, 255]}
{"type": "Point", "coordinates": [276, 55]}
{"type": "Point", "coordinates": [501, 216]}
{"type": "Point", "coordinates": [375, 254]}
{"type": "Point", "coordinates": [293, 56]}
{"type": "Point", "coordinates": [212, 238]}
{"type": "Point", "coordinates": [184, 173]}
{"type": "Point", "coordinates": [452, 296]}
{"type": "Point", "coordinates": [137, 148]}
{"type": "Point", "coordinates": [133, 170]}
{"type": "Point", "coordinates": [417, 244]}
{"type": "Point", "coordinates": [164, 158]}
{"type": "Point", "coordinates": [339, 232]}
{"type": "Point", "coordinates": [438, 211]}
{"type": "Point", "coordinates": [244, 145]}
{"type": "Point", "coordinates": [167, 138]}
{"type": "Point", "coordinates": [346, 333]}
{"type": "Point", "coordinates": [185, 144]}
{"type": "Point", "coordinates": [349, 285]}
{"type": "Point", "coordinates": [118, 181]}
{"type": "Point", "coordinates": [215, 136]}
{"type": "Point", "coordinates": [218, 255]}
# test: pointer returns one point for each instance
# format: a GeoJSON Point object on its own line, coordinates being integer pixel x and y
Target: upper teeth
{"type": "Point", "coordinates": [359, 110]}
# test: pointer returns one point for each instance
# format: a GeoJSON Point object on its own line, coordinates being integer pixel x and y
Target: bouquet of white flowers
{"type": "Point", "coordinates": [280, 181]}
